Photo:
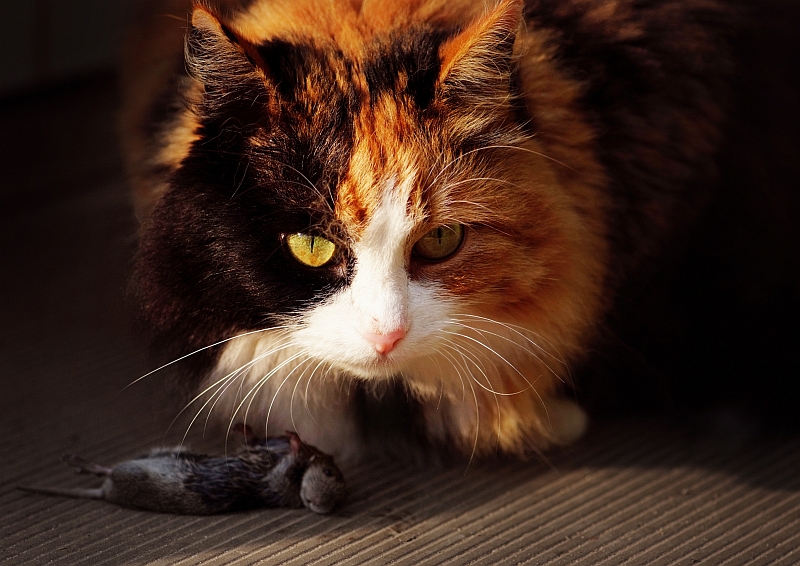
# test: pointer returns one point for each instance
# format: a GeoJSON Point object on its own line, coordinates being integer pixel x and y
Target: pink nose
{"type": "Point", "coordinates": [385, 343]}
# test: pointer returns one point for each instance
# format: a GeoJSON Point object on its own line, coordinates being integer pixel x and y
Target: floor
{"type": "Point", "coordinates": [633, 492]}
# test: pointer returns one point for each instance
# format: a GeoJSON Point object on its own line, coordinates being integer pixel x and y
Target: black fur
{"type": "Point", "coordinates": [413, 55]}
{"type": "Point", "coordinates": [212, 262]}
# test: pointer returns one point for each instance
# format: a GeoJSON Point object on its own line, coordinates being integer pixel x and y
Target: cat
{"type": "Point", "coordinates": [360, 215]}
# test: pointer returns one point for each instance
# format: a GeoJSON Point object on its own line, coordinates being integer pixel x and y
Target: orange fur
{"type": "Point", "coordinates": [537, 256]}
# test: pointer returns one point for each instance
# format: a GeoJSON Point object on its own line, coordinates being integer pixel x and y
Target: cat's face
{"type": "Point", "coordinates": [383, 209]}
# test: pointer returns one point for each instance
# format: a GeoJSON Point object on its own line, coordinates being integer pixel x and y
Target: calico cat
{"type": "Point", "coordinates": [416, 213]}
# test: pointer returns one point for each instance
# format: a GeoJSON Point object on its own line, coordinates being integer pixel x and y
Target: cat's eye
{"type": "Point", "coordinates": [440, 242]}
{"type": "Point", "coordinates": [310, 250]}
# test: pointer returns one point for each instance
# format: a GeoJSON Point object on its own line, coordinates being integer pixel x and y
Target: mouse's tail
{"type": "Point", "coordinates": [79, 493]}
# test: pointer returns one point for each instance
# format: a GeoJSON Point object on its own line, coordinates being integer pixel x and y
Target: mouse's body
{"type": "Point", "coordinates": [277, 473]}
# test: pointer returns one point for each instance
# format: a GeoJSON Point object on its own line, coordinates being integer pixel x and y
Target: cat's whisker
{"type": "Point", "coordinates": [441, 381]}
{"type": "Point", "coordinates": [218, 394]}
{"type": "Point", "coordinates": [486, 224]}
{"type": "Point", "coordinates": [138, 379]}
{"type": "Point", "coordinates": [239, 186]}
{"type": "Point", "coordinates": [516, 329]}
{"type": "Point", "coordinates": [489, 389]}
{"type": "Point", "coordinates": [456, 160]}
{"type": "Point", "coordinates": [280, 182]}
{"type": "Point", "coordinates": [542, 155]}
{"type": "Point", "coordinates": [308, 383]}
{"type": "Point", "coordinates": [477, 427]}
{"type": "Point", "coordinates": [476, 179]}
{"type": "Point", "coordinates": [310, 184]}
{"type": "Point", "coordinates": [252, 393]}
{"type": "Point", "coordinates": [453, 363]}
{"type": "Point", "coordinates": [536, 450]}
{"type": "Point", "coordinates": [494, 393]}
{"type": "Point", "coordinates": [278, 390]}
{"type": "Point", "coordinates": [483, 332]}
{"type": "Point", "coordinates": [462, 353]}
{"type": "Point", "coordinates": [218, 385]}
{"type": "Point", "coordinates": [224, 383]}
{"type": "Point", "coordinates": [260, 383]}
{"type": "Point", "coordinates": [294, 390]}
{"type": "Point", "coordinates": [196, 416]}
{"type": "Point", "coordinates": [492, 350]}
{"type": "Point", "coordinates": [483, 355]}
{"type": "Point", "coordinates": [512, 366]}
{"type": "Point", "coordinates": [244, 371]}
{"type": "Point", "coordinates": [467, 355]}
{"type": "Point", "coordinates": [490, 147]}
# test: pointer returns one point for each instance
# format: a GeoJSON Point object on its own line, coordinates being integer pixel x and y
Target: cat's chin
{"type": "Point", "coordinates": [378, 370]}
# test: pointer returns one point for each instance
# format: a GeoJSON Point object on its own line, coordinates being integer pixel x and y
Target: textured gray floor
{"type": "Point", "coordinates": [635, 492]}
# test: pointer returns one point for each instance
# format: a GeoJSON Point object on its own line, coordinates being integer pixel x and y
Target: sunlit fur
{"type": "Point", "coordinates": [500, 144]}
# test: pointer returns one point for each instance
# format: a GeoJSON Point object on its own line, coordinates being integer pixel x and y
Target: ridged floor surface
{"type": "Point", "coordinates": [633, 492]}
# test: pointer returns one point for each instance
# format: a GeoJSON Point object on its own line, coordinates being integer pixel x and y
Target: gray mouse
{"type": "Point", "coordinates": [279, 472]}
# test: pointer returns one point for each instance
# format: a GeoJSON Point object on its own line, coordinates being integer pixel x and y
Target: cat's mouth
{"type": "Point", "coordinates": [381, 366]}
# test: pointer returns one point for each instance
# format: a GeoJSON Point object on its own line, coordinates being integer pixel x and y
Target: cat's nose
{"type": "Point", "coordinates": [384, 343]}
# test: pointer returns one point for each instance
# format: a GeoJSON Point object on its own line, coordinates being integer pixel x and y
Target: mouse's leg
{"type": "Point", "coordinates": [85, 467]}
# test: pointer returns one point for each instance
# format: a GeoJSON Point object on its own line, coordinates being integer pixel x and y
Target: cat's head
{"type": "Point", "coordinates": [375, 187]}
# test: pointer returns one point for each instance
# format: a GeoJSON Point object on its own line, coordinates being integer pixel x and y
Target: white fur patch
{"type": "Point", "coordinates": [381, 299]}
{"type": "Point", "coordinates": [298, 377]}
{"type": "Point", "coordinates": [272, 383]}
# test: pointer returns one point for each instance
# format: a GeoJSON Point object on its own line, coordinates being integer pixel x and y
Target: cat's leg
{"type": "Point", "coordinates": [486, 424]}
{"type": "Point", "coordinates": [568, 421]}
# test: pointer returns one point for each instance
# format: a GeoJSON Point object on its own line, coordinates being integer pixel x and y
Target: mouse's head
{"type": "Point", "coordinates": [323, 487]}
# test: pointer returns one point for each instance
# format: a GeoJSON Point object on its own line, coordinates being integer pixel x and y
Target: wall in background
{"type": "Point", "coordinates": [44, 41]}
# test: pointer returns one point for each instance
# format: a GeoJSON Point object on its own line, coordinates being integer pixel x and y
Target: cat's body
{"type": "Point", "coordinates": [481, 179]}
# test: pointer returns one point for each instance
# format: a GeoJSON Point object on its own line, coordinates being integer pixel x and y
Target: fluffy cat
{"type": "Point", "coordinates": [412, 213]}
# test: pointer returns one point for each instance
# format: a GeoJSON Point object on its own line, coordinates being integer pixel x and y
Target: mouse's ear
{"type": "Point", "coordinates": [245, 430]}
{"type": "Point", "coordinates": [294, 441]}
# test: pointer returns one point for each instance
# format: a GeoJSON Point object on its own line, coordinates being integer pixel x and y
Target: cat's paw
{"type": "Point", "coordinates": [568, 422]}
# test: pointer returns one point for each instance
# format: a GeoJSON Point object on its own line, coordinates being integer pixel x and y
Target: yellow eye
{"type": "Point", "coordinates": [440, 242]}
{"type": "Point", "coordinates": [313, 251]}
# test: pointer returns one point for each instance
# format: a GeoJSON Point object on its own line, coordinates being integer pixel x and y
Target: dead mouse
{"type": "Point", "coordinates": [279, 472]}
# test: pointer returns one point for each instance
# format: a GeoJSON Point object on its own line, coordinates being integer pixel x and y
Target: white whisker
{"type": "Point", "coordinates": [489, 389]}
{"type": "Point", "coordinates": [453, 363]}
{"type": "Point", "coordinates": [294, 390]}
{"type": "Point", "coordinates": [225, 382]}
{"type": "Point", "coordinates": [512, 366]}
{"type": "Point", "coordinates": [138, 379]}
{"type": "Point", "coordinates": [310, 377]}
{"type": "Point", "coordinates": [218, 385]}
{"type": "Point", "coordinates": [275, 395]}
{"type": "Point", "coordinates": [496, 402]}
{"type": "Point", "coordinates": [482, 332]}
{"type": "Point", "coordinates": [518, 330]}
{"type": "Point", "coordinates": [253, 390]}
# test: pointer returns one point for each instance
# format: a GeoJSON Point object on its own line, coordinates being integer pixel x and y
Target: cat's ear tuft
{"type": "Point", "coordinates": [215, 54]}
{"type": "Point", "coordinates": [478, 62]}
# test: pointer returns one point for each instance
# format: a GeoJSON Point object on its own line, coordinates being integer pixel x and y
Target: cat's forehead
{"type": "Point", "coordinates": [369, 109]}
{"type": "Point", "coordinates": [357, 112]}
{"type": "Point", "coordinates": [349, 24]}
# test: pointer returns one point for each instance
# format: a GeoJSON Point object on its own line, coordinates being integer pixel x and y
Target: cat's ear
{"type": "Point", "coordinates": [477, 63]}
{"type": "Point", "coordinates": [216, 55]}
